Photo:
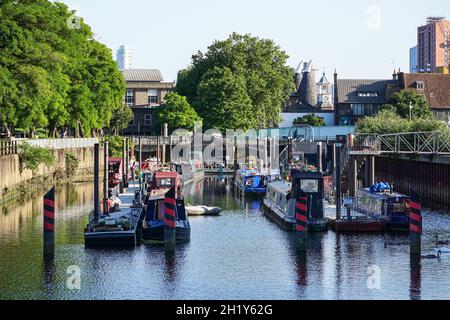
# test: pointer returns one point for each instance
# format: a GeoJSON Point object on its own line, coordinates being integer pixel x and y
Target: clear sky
{"type": "Point", "coordinates": [360, 38]}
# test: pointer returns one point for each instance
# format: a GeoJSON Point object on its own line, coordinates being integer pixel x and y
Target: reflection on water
{"type": "Point", "coordinates": [239, 255]}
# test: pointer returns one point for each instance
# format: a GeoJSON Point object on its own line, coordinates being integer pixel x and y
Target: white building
{"type": "Point", "coordinates": [124, 58]}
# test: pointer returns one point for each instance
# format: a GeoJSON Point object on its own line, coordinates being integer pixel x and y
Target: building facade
{"type": "Point", "coordinates": [357, 98]}
{"type": "Point", "coordinates": [124, 58]}
{"type": "Point", "coordinates": [435, 87]}
{"type": "Point", "coordinates": [433, 45]}
{"type": "Point", "coordinates": [413, 60]}
{"type": "Point", "coordinates": [310, 97]}
{"type": "Point", "coordinates": [145, 92]}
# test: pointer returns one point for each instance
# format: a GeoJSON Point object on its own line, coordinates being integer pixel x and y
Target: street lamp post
{"type": "Point", "coordinates": [410, 110]}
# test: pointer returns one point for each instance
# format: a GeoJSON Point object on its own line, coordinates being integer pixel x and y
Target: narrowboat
{"type": "Point", "coordinates": [385, 205]}
{"type": "Point", "coordinates": [279, 202]}
{"type": "Point", "coordinates": [153, 224]}
{"type": "Point", "coordinates": [251, 181]}
{"type": "Point", "coordinates": [189, 172]}
{"type": "Point", "coordinates": [121, 228]}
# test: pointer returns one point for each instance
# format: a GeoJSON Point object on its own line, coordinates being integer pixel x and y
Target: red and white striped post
{"type": "Point", "coordinates": [170, 207]}
{"type": "Point", "coordinates": [301, 221]}
{"type": "Point", "coordinates": [49, 223]}
{"type": "Point", "coordinates": [415, 224]}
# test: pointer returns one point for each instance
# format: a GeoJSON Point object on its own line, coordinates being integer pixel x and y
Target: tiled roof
{"type": "Point", "coordinates": [153, 75]}
{"type": "Point", "coordinates": [436, 87]}
{"type": "Point", "coordinates": [348, 90]}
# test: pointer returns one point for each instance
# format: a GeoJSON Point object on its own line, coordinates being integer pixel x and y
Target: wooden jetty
{"type": "Point", "coordinates": [121, 228]}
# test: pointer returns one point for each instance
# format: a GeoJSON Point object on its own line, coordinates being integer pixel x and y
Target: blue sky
{"type": "Point", "coordinates": [358, 37]}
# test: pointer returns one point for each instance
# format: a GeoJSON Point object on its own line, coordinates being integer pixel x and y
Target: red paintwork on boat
{"type": "Point", "coordinates": [356, 225]}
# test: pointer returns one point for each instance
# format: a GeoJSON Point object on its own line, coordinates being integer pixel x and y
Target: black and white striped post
{"type": "Point", "coordinates": [49, 223]}
{"type": "Point", "coordinates": [301, 221]}
{"type": "Point", "coordinates": [170, 207]}
{"type": "Point", "coordinates": [415, 224]}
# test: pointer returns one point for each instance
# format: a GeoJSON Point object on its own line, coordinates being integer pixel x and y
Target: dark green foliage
{"type": "Point", "coordinates": [400, 103]}
{"type": "Point", "coordinates": [53, 75]}
{"type": "Point", "coordinates": [310, 119]}
{"type": "Point", "coordinates": [241, 70]}
{"type": "Point", "coordinates": [115, 146]}
{"type": "Point", "coordinates": [176, 112]}
{"type": "Point", "coordinates": [32, 156]}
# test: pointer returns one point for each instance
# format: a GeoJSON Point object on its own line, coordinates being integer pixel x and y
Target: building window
{"type": "Point", "coordinates": [420, 85]}
{"type": "Point", "coordinates": [358, 109]}
{"type": "Point", "coordinates": [148, 120]}
{"type": "Point", "coordinates": [129, 97]}
{"type": "Point", "coordinates": [152, 96]}
{"type": "Point", "coordinates": [367, 94]}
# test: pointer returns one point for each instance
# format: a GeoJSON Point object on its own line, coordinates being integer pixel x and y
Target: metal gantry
{"type": "Point", "coordinates": [420, 143]}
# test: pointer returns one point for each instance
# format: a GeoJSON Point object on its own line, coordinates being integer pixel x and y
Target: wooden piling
{"type": "Point", "coordinates": [337, 148]}
{"type": "Point", "coordinates": [319, 157]}
{"type": "Point", "coordinates": [127, 161]}
{"type": "Point", "coordinates": [415, 224]}
{"type": "Point", "coordinates": [301, 222]}
{"type": "Point", "coordinates": [105, 178]}
{"type": "Point", "coordinates": [122, 185]}
{"type": "Point", "coordinates": [49, 223]}
{"type": "Point", "coordinates": [96, 180]}
{"type": "Point", "coordinates": [170, 208]}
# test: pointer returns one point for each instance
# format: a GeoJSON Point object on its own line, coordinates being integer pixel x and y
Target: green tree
{"type": "Point", "coordinates": [310, 119]}
{"type": "Point", "coordinates": [259, 65]}
{"type": "Point", "coordinates": [224, 100]}
{"type": "Point", "coordinates": [400, 103]}
{"type": "Point", "coordinates": [54, 74]}
{"type": "Point", "coordinates": [176, 112]}
{"type": "Point", "coordinates": [120, 119]}
{"type": "Point", "coordinates": [388, 121]}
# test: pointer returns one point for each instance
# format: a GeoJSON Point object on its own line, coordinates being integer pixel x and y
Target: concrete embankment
{"type": "Point", "coordinates": [17, 182]}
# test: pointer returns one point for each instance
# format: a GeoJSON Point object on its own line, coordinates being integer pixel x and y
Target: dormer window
{"type": "Point", "coordinates": [420, 85]}
{"type": "Point", "coordinates": [367, 94]}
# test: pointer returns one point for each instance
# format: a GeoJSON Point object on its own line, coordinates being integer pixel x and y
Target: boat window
{"type": "Point", "coordinates": [309, 185]}
{"type": "Point", "coordinates": [165, 182]}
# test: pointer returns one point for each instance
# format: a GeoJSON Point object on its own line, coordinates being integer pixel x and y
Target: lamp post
{"type": "Point", "coordinates": [410, 110]}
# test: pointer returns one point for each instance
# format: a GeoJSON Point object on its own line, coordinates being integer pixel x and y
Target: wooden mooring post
{"type": "Point", "coordinates": [301, 222]}
{"type": "Point", "coordinates": [415, 224]}
{"type": "Point", "coordinates": [96, 180]}
{"type": "Point", "coordinates": [49, 223]}
{"type": "Point", "coordinates": [105, 178]}
{"type": "Point", "coordinates": [338, 147]}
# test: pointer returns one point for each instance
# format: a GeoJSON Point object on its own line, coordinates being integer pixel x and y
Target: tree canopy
{"type": "Point", "coordinates": [310, 119]}
{"type": "Point", "coordinates": [242, 70]}
{"type": "Point", "coordinates": [388, 121]}
{"type": "Point", "coordinates": [176, 112]}
{"type": "Point", "coordinates": [400, 103]}
{"type": "Point", "coordinates": [53, 73]}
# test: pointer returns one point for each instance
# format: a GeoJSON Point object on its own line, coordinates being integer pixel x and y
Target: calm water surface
{"type": "Point", "coordinates": [239, 255]}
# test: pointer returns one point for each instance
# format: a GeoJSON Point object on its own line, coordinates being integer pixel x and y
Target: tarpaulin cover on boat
{"type": "Point", "coordinates": [256, 181]}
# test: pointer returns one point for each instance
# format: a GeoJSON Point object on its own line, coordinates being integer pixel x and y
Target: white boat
{"type": "Point", "coordinates": [202, 210]}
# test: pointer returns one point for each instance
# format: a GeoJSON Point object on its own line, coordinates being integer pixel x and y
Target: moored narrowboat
{"type": "Point", "coordinates": [251, 181]}
{"type": "Point", "coordinates": [279, 203]}
{"type": "Point", "coordinates": [153, 225]}
{"type": "Point", "coordinates": [385, 205]}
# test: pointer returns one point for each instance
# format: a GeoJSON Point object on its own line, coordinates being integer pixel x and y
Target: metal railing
{"type": "Point", "coordinates": [402, 143]}
{"type": "Point", "coordinates": [12, 146]}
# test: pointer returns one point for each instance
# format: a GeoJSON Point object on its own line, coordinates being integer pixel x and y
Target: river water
{"type": "Point", "coordinates": [239, 255]}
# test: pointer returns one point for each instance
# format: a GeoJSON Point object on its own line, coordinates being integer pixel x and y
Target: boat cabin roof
{"type": "Point", "coordinates": [115, 160]}
{"type": "Point", "coordinates": [250, 172]}
{"type": "Point", "coordinates": [280, 186]}
{"type": "Point", "coordinates": [383, 195]}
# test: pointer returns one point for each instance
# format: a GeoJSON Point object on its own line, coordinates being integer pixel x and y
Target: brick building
{"type": "Point", "coordinates": [433, 45]}
{"type": "Point", "coordinates": [146, 90]}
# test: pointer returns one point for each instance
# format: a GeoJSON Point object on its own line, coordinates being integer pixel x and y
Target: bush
{"type": "Point", "coordinates": [32, 156]}
{"type": "Point", "coordinates": [71, 164]}
{"type": "Point", "coordinates": [115, 146]}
